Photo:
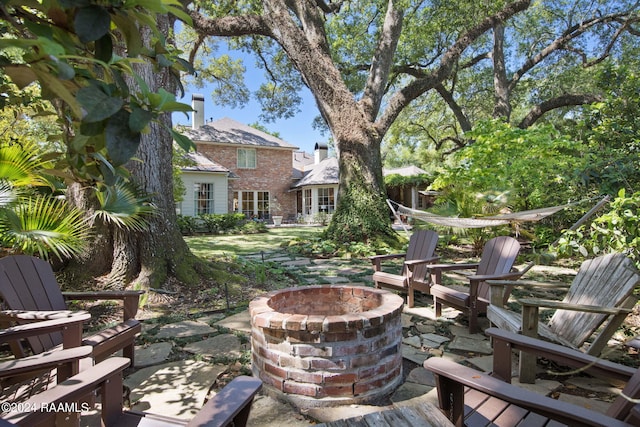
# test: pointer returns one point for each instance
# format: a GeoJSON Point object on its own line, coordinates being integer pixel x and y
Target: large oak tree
{"type": "Point", "coordinates": [358, 101]}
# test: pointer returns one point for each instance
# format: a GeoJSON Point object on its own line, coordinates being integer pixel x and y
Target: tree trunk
{"type": "Point", "coordinates": [502, 107]}
{"type": "Point", "coordinates": [362, 214]}
{"type": "Point", "coordinates": [146, 258]}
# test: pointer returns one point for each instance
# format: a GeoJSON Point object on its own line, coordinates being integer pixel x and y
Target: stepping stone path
{"type": "Point", "coordinates": [213, 346]}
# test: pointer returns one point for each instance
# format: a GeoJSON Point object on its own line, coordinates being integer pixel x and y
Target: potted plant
{"type": "Point", "coordinates": [276, 210]}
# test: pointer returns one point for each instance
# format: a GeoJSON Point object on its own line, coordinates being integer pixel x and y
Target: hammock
{"type": "Point", "coordinates": [487, 221]}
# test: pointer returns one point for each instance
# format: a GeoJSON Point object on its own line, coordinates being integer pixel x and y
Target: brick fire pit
{"type": "Point", "coordinates": [327, 345]}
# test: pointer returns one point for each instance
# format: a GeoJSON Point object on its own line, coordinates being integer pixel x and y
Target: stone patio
{"type": "Point", "coordinates": [187, 360]}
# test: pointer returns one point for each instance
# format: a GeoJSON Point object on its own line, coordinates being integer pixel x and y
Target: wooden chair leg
{"type": "Point", "coordinates": [129, 353]}
{"type": "Point", "coordinates": [451, 399]}
{"type": "Point", "coordinates": [530, 329]}
{"type": "Point", "coordinates": [473, 319]}
{"type": "Point", "coordinates": [502, 355]}
{"type": "Point", "coordinates": [438, 307]}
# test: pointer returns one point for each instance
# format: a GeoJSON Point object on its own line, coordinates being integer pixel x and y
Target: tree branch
{"type": "Point", "coordinates": [331, 7]}
{"type": "Point", "coordinates": [411, 91]}
{"type": "Point", "coordinates": [561, 42]}
{"type": "Point", "coordinates": [229, 26]}
{"type": "Point", "coordinates": [565, 100]}
{"type": "Point", "coordinates": [382, 61]}
{"type": "Point", "coordinates": [447, 96]}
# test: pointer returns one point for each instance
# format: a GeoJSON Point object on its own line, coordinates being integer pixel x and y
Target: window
{"type": "Point", "coordinates": [203, 198]}
{"type": "Point", "coordinates": [326, 201]}
{"type": "Point", "coordinates": [246, 158]}
{"type": "Point", "coordinates": [247, 203]}
{"type": "Point", "coordinates": [262, 203]}
{"type": "Point", "coordinates": [307, 202]}
{"type": "Point", "coordinates": [254, 204]}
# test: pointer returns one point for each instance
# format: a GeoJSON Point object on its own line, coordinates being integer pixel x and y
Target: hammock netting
{"type": "Point", "coordinates": [486, 221]}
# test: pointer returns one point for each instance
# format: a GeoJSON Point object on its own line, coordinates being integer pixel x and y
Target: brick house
{"type": "Point", "coordinates": [248, 170]}
{"type": "Point", "coordinates": [317, 189]}
{"type": "Point", "coordinates": [237, 168]}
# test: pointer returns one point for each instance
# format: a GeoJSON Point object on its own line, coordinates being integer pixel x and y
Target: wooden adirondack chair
{"type": "Point", "coordinates": [413, 276]}
{"type": "Point", "coordinates": [18, 381]}
{"type": "Point", "coordinates": [472, 398]}
{"type": "Point", "coordinates": [602, 291]}
{"type": "Point", "coordinates": [498, 256]}
{"type": "Point", "coordinates": [228, 407]}
{"type": "Point", "coordinates": [29, 284]}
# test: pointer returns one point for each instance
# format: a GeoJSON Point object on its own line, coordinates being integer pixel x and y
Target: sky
{"type": "Point", "coordinates": [297, 130]}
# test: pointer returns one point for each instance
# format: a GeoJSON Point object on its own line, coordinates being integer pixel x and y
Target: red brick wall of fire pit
{"type": "Point", "coordinates": [327, 345]}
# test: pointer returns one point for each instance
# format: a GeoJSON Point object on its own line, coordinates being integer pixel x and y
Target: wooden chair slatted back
{"type": "Point", "coordinates": [422, 245]}
{"type": "Point", "coordinates": [498, 257]}
{"type": "Point", "coordinates": [606, 281]}
{"type": "Point", "coordinates": [28, 283]}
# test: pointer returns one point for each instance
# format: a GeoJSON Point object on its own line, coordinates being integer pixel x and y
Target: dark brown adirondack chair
{"type": "Point", "coordinates": [413, 276]}
{"type": "Point", "coordinates": [19, 381]}
{"type": "Point", "coordinates": [597, 302]}
{"type": "Point", "coordinates": [29, 284]}
{"type": "Point", "coordinates": [229, 407]}
{"type": "Point", "coordinates": [471, 398]}
{"type": "Point", "coordinates": [498, 256]}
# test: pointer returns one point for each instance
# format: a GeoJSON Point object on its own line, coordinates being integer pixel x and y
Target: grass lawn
{"type": "Point", "coordinates": [244, 244]}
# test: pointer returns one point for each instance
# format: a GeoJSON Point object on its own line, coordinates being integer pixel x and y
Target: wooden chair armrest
{"type": "Point", "coordinates": [483, 277]}
{"type": "Point", "coordinates": [447, 267]}
{"type": "Point", "coordinates": [130, 299]}
{"type": "Point", "coordinates": [102, 295]}
{"type": "Point", "coordinates": [232, 403]}
{"type": "Point", "coordinates": [453, 377]}
{"type": "Point", "coordinates": [385, 257]}
{"type": "Point", "coordinates": [33, 315]}
{"type": "Point", "coordinates": [106, 376]}
{"type": "Point", "coordinates": [535, 302]}
{"type": "Point", "coordinates": [567, 356]}
{"type": "Point", "coordinates": [527, 283]}
{"type": "Point", "coordinates": [413, 262]}
{"type": "Point", "coordinates": [47, 360]}
{"type": "Point", "coordinates": [19, 332]}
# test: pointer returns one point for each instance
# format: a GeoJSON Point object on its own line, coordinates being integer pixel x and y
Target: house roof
{"type": "Point", "coordinates": [325, 172]}
{"type": "Point", "coordinates": [404, 171]}
{"type": "Point", "coordinates": [201, 163]}
{"type": "Point", "coordinates": [302, 161]}
{"type": "Point", "coordinates": [230, 131]}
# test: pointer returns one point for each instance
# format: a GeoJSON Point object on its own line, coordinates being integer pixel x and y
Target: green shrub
{"type": "Point", "coordinates": [188, 224]}
{"type": "Point", "coordinates": [253, 227]}
{"type": "Point", "coordinates": [618, 230]}
{"type": "Point", "coordinates": [210, 223]}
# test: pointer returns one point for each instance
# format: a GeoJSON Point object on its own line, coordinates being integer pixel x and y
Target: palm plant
{"type": "Point", "coordinates": [32, 219]}
{"type": "Point", "coordinates": [124, 205]}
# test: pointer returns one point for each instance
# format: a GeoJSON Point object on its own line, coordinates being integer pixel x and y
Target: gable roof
{"type": "Point", "coordinates": [201, 163]}
{"type": "Point", "coordinates": [229, 131]}
{"type": "Point", "coordinates": [325, 172]}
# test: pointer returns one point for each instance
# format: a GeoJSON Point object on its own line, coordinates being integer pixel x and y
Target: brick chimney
{"type": "Point", "coordinates": [197, 103]}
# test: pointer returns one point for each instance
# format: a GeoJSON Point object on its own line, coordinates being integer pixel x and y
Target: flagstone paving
{"type": "Point", "coordinates": [184, 361]}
